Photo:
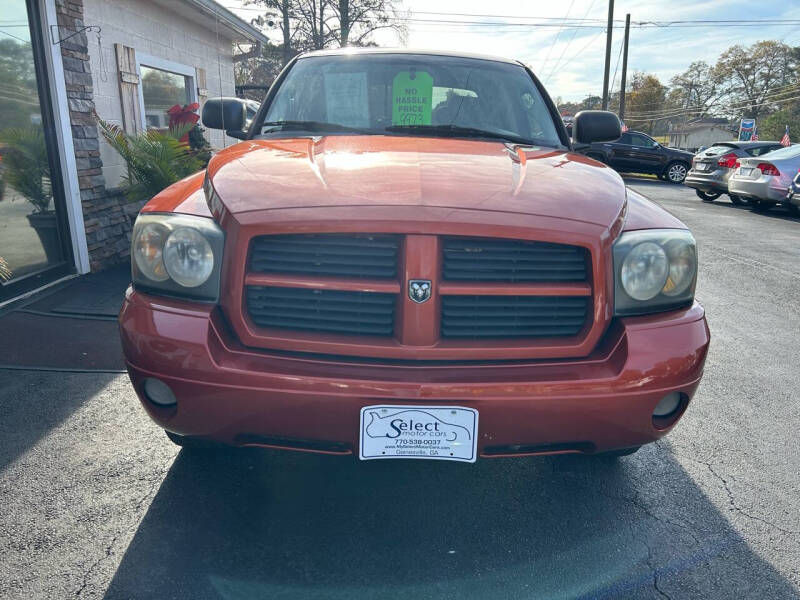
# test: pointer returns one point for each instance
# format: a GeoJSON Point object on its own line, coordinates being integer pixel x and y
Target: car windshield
{"type": "Point", "coordinates": [411, 94]}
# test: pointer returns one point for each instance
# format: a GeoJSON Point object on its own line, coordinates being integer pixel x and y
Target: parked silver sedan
{"type": "Point", "coordinates": [711, 168]}
{"type": "Point", "coordinates": [765, 181]}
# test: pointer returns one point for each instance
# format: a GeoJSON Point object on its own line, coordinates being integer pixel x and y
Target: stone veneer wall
{"type": "Point", "coordinates": [107, 217]}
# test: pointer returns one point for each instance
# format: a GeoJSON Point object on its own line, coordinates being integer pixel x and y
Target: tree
{"type": "Point", "coordinates": [315, 22]}
{"type": "Point", "coordinates": [282, 13]}
{"type": "Point", "coordinates": [647, 95]}
{"type": "Point", "coordinates": [19, 100]}
{"type": "Point", "coordinates": [314, 25]}
{"type": "Point", "coordinates": [261, 70]}
{"type": "Point", "coordinates": [591, 102]}
{"type": "Point", "coordinates": [773, 127]}
{"type": "Point", "coordinates": [753, 78]}
{"type": "Point", "coordinates": [358, 19]}
{"type": "Point", "coordinates": [698, 87]}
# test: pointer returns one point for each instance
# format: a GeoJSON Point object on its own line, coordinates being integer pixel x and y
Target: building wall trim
{"type": "Point", "coordinates": [66, 149]}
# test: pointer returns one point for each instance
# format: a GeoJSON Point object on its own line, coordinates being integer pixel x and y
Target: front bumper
{"type": "Point", "coordinates": [233, 394]}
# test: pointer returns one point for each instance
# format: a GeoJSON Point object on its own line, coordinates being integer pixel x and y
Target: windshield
{"type": "Point", "coordinates": [410, 94]}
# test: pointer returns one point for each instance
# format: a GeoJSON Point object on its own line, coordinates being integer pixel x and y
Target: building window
{"type": "Point", "coordinates": [34, 233]}
{"type": "Point", "coordinates": [162, 85]}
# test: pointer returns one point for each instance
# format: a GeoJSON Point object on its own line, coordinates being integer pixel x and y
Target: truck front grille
{"type": "Point", "coordinates": [333, 311]}
{"type": "Point", "coordinates": [334, 255]}
{"type": "Point", "coordinates": [511, 261]}
{"type": "Point", "coordinates": [356, 286]}
{"type": "Point", "coordinates": [477, 317]}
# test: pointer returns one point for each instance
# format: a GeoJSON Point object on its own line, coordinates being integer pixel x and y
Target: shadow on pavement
{"type": "Point", "coordinates": [259, 524]}
{"type": "Point", "coordinates": [35, 402]}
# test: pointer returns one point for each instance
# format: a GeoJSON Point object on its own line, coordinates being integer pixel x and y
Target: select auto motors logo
{"type": "Point", "coordinates": [412, 423]}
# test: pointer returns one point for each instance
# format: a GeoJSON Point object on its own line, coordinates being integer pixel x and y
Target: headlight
{"type": "Point", "coordinates": [644, 271]}
{"type": "Point", "coordinates": [177, 255]}
{"type": "Point", "coordinates": [188, 257]}
{"type": "Point", "coordinates": [148, 252]}
{"type": "Point", "coordinates": [654, 270]}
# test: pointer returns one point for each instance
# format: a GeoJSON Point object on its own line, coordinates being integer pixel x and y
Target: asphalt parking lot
{"type": "Point", "coordinates": [97, 503]}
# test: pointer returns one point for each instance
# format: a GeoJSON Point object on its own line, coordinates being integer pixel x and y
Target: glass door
{"type": "Point", "coordinates": [34, 246]}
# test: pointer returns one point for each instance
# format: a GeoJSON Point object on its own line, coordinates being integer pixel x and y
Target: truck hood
{"type": "Point", "coordinates": [408, 171]}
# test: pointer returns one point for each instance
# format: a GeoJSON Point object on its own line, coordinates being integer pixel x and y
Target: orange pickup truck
{"type": "Point", "coordinates": [405, 258]}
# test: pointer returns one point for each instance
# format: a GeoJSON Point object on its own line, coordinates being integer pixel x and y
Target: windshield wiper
{"type": "Point", "coordinates": [308, 126]}
{"type": "Point", "coordinates": [458, 131]}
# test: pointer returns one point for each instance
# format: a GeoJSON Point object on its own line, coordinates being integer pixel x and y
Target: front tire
{"type": "Point", "coordinates": [676, 171]}
{"type": "Point", "coordinates": [793, 209]}
{"type": "Point", "coordinates": [707, 196]}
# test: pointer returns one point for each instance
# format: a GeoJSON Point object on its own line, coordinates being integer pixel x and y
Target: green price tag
{"type": "Point", "coordinates": [411, 98]}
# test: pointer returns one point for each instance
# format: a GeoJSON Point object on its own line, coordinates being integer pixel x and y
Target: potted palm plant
{"type": "Point", "coordinates": [26, 169]}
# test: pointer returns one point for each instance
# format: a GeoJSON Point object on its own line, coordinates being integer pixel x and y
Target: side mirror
{"type": "Point", "coordinates": [228, 114]}
{"type": "Point", "coordinates": [595, 126]}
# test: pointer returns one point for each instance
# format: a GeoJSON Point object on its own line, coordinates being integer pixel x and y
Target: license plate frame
{"type": "Point", "coordinates": [418, 432]}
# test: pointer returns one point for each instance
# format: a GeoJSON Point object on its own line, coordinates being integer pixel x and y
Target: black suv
{"type": "Point", "coordinates": [636, 152]}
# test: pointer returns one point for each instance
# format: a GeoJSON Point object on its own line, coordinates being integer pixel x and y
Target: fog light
{"type": "Point", "coordinates": [158, 392]}
{"type": "Point", "coordinates": [667, 405]}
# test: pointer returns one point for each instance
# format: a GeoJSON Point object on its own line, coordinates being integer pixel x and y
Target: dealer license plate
{"type": "Point", "coordinates": [702, 166]}
{"type": "Point", "coordinates": [432, 432]}
{"type": "Point", "coordinates": [745, 171]}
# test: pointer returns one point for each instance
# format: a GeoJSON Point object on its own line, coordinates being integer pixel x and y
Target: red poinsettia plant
{"type": "Point", "coordinates": [183, 115]}
{"type": "Point", "coordinates": [186, 115]}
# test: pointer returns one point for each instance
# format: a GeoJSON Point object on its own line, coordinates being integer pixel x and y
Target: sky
{"type": "Point", "coordinates": [570, 61]}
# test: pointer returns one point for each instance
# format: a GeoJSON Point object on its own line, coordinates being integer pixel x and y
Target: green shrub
{"type": "Point", "coordinates": [155, 159]}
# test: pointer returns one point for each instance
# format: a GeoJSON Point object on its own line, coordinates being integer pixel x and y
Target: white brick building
{"type": "Point", "coordinates": [177, 36]}
{"type": "Point", "coordinates": [700, 133]}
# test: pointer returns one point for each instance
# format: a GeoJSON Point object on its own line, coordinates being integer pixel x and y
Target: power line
{"type": "Point", "coordinates": [619, 56]}
{"type": "Point", "coordinates": [709, 109]}
{"type": "Point", "coordinates": [581, 51]}
{"type": "Point", "coordinates": [662, 110]}
{"type": "Point", "coordinates": [555, 39]}
{"type": "Point", "coordinates": [569, 43]}
{"type": "Point", "coordinates": [771, 95]}
{"type": "Point", "coordinates": [16, 37]}
{"type": "Point", "coordinates": [581, 23]}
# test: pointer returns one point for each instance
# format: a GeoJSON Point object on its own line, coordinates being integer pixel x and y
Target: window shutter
{"type": "Point", "coordinates": [202, 90]}
{"type": "Point", "coordinates": [129, 89]}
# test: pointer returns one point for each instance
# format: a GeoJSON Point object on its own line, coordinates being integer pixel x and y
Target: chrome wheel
{"type": "Point", "coordinates": [676, 173]}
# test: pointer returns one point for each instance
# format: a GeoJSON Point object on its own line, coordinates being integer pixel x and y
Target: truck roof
{"type": "Point", "coordinates": [418, 51]}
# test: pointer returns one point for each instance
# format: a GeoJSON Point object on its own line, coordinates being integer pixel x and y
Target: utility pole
{"type": "Point", "coordinates": [608, 53]}
{"type": "Point", "coordinates": [624, 67]}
